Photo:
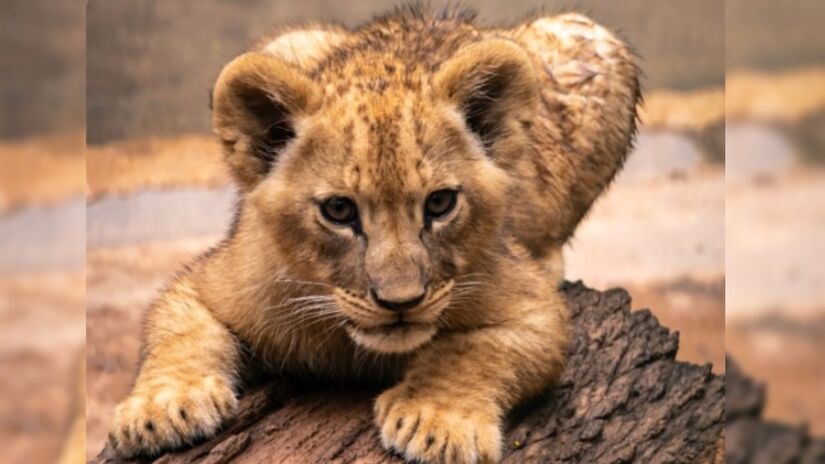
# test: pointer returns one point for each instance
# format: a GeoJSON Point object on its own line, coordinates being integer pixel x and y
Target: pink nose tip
{"type": "Point", "coordinates": [397, 306]}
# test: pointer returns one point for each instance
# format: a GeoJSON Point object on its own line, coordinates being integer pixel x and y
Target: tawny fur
{"type": "Point", "coordinates": [529, 124]}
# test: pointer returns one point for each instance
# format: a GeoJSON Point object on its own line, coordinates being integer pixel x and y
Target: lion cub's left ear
{"type": "Point", "coordinates": [493, 83]}
{"type": "Point", "coordinates": [256, 102]}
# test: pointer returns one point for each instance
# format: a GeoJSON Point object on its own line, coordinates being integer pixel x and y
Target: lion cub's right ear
{"type": "Point", "coordinates": [490, 81]}
{"type": "Point", "coordinates": [255, 104]}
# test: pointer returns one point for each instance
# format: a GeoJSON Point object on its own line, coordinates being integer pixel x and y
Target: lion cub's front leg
{"type": "Point", "coordinates": [450, 404]}
{"type": "Point", "coordinates": [185, 387]}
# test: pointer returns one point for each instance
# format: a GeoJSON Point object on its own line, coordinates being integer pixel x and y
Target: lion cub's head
{"type": "Point", "coordinates": [375, 177]}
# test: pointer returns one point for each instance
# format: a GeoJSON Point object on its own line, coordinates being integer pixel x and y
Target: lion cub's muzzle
{"type": "Point", "coordinates": [398, 306]}
{"type": "Point", "coordinates": [393, 326]}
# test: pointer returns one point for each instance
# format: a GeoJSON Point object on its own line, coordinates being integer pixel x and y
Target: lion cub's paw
{"type": "Point", "coordinates": [427, 431]}
{"type": "Point", "coordinates": [169, 413]}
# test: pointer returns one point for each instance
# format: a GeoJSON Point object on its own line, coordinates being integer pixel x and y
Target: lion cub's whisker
{"type": "Point", "coordinates": [312, 298]}
{"type": "Point", "coordinates": [304, 282]}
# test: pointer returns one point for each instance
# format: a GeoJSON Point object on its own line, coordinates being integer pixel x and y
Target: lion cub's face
{"type": "Point", "coordinates": [382, 191]}
{"type": "Point", "coordinates": [391, 205]}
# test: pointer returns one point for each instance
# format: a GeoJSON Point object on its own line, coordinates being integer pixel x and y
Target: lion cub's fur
{"type": "Point", "coordinates": [527, 124]}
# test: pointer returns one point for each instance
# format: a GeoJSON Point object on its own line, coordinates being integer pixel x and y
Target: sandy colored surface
{"type": "Point", "coordinates": [126, 166]}
{"type": "Point", "coordinates": [786, 96]}
{"type": "Point", "coordinates": [41, 170]}
{"type": "Point", "coordinates": [688, 110]}
{"type": "Point", "coordinates": [777, 97]}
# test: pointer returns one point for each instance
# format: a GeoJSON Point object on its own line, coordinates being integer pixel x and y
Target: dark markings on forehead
{"type": "Point", "coordinates": [348, 150]}
{"type": "Point", "coordinates": [378, 85]}
{"type": "Point", "coordinates": [383, 155]}
{"type": "Point", "coordinates": [372, 74]}
{"type": "Point", "coordinates": [357, 179]}
{"type": "Point", "coordinates": [375, 85]}
{"type": "Point", "coordinates": [341, 89]}
{"type": "Point", "coordinates": [414, 35]}
{"type": "Point", "coordinates": [349, 131]}
{"type": "Point", "coordinates": [418, 128]}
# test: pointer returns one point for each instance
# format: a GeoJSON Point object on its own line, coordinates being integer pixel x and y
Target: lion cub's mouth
{"type": "Point", "coordinates": [386, 331]}
{"type": "Point", "coordinates": [399, 337]}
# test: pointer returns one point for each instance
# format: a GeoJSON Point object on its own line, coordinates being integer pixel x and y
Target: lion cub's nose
{"type": "Point", "coordinates": [397, 306]}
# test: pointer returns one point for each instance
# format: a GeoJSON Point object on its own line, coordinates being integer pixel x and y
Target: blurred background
{"type": "Point", "coordinates": [715, 223]}
{"type": "Point", "coordinates": [42, 211]}
{"type": "Point", "coordinates": [775, 203]}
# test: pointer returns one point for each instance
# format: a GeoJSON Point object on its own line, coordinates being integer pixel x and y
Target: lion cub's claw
{"type": "Point", "coordinates": [168, 414]}
{"type": "Point", "coordinates": [426, 431]}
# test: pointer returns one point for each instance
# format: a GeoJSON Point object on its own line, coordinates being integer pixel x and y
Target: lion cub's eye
{"type": "Point", "coordinates": [340, 210]}
{"type": "Point", "coordinates": [440, 203]}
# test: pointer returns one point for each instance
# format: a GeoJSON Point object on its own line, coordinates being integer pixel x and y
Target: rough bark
{"type": "Point", "coordinates": [751, 439]}
{"type": "Point", "coordinates": [623, 398]}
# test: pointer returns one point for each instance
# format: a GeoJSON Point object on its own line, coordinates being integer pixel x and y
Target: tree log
{"type": "Point", "coordinates": [622, 398]}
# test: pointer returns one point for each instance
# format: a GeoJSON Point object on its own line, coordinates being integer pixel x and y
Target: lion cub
{"type": "Point", "coordinates": [405, 189]}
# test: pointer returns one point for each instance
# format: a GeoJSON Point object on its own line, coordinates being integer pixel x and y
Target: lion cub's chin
{"type": "Point", "coordinates": [394, 338]}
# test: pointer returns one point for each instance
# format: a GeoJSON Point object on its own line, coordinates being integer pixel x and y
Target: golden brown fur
{"type": "Point", "coordinates": [524, 127]}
